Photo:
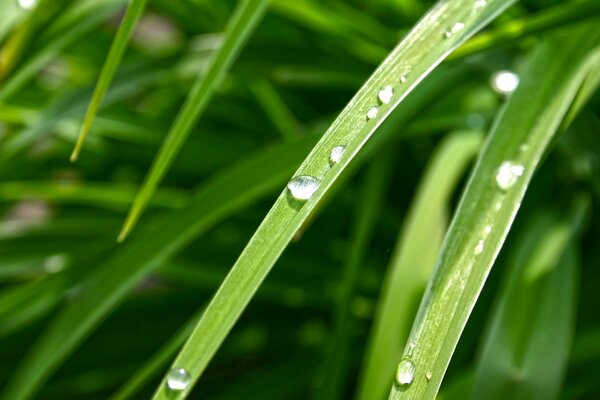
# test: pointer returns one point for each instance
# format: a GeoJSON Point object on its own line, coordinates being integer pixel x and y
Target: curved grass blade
{"type": "Point", "coordinates": [535, 313]}
{"type": "Point", "coordinates": [443, 28]}
{"type": "Point", "coordinates": [218, 199]}
{"type": "Point", "coordinates": [412, 262]}
{"type": "Point", "coordinates": [518, 140]}
{"type": "Point", "coordinates": [128, 24]}
{"type": "Point", "coordinates": [243, 21]}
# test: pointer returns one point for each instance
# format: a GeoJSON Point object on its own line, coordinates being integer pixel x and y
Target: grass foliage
{"type": "Point", "coordinates": [188, 118]}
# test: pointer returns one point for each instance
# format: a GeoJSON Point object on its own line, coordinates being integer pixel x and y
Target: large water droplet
{"type": "Point", "coordinates": [372, 113]}
{"type": "Point", "coordinates": [336, 154]}
{"type": "Point", "coordinates": [302, 187]}
{"type": "Point", "coordinates": [505, 82]}
{"type": "Point", "coordinates": [178, 379]}
{"type": "Point", "coordinates": [508, 174]}
{"type": "Point", "coordinates": [406, 372]}
{"type": "Point", "coordinates": [385, 95]}
{"type": "Point", "coordinates": [27, 4]}
{"type": "Point", "coordinates": [457, 27]}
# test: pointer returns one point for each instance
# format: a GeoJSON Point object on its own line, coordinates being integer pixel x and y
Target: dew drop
{"type": "Point", "coordinates": [428, 375]}
{"type": "Point", "coordinates": [454, 29]}
{"type": "Point", "coordinates": [508, 174]}
{"type": "Point", "coordinates": [487, 230]}
{"type": "Point", "coordinates": [302, 187]}
{"type": "Point", "coordinates": [479, 248]}
{"type": "Point", "coordinates": [372, 113]}
{"type": "Point", "coordinates": [479, 4]}
{"type": "Point", "coordinates": [27, 4]}
{"type": "Point", "coordinates": [385, 95]}
{"type": "Point", "coordinates": [523, 148]}
{"type": "Point", "coordinates": [403, 78]}
{"type": "Point", "coordinates": [504, 82]}
{"type": "Point", "coordinates": [178, 379]}
{"type": "Point", "coordinates": [336, 154]}
{"type": "Point", "coordinates": [406, 372]}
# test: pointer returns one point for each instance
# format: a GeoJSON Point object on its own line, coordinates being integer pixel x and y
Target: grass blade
{"type": "Point", "coordinates": [412, 262]}
{"type": "Point", "coordinates": [243, 21]}
{"type": "Point", "coordinates": [521, 134]}
{"type": "Point", "coordinates": [128, 24]}
{"type": "Point", "coordinates": [425, 47]}
{"type": "Point", "coordinates": [535, 313]}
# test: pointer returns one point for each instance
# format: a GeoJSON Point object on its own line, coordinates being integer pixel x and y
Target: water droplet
{"type": "Point", "coordinates": [27, 4]}
{"type": "Point", "coordinates": [372, 113]}
{"type": "Point", "coordinates": [498, 205]}
{"type": "Point", "coordinates": [403, 78]}
{"type": "Point", "coordinates": [479, 247]}
{"type": "Point", "coordinates": [178, 379]}
{"type": "Point", "coordinates": [385, 95]}
{"type": "Point", "coordinates": [487, 230]}
{"type": "Point", "coordinates": [504, 82]}
{"type": "Point", "coordinates": [406, 372]}
{"type": "Point", "coordinates": [428, 375]}
{"type": "Point", "coordinates": [508, 173]}
{"type": "Point", "coordinates": [303, 187]}
{"type": "Point", "coordinates": [523, 148]}
{"type": "Point", "coordinates": [479, 4]}
{"type": "Point", "coordinates": [336, 154]}
{"type": "Point", "coordinates": [454, 29]}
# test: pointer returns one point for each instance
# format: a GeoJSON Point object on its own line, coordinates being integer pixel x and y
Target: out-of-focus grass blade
{"type": "Point", "coordinates": [443, 28]}
{"type": "Point", "coordinates": [526, 348]}
{"type": "Point", "coordinates": [218, 199]}
{"type": "Point", "coordinates": [128, 24]}
{"type": "Point", "coordinates": [412, 262]}
{"type": "Point", "coordinates": [516, 144]}
{"type": "Point", "coordinates": [243, 21]}
{"type": "Point", "coordinates": [368, 211]}
{"type": "Point", "coordinates": [276, 109]}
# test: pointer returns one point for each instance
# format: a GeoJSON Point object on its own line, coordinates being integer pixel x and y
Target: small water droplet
{"type": "Point", "coordinates": [178, 379]}
{"type": "Point", "coordinates": [403, 78]}
{"type": "Point", "coordinates": [523, 148]}
{"type": "Point", "coordinates": [479, 4]}
{"type": "Point", "coordinates": [385, 95]}
{"type": "Point", "coordinates": [372, 113]}
{"type": "Point", "coordinates": [505, 82]}
{"type": "Point", "coordinates": [428, 375]}
{"type": "Point", "coordinates": [498, 205]}
{"type": "Point", "coordinates": [27, 4]}
{"type": "Point", "coordinates": [406, 372]}
{"type": "Point", "coordinates": [336, 154]}
{"type": "Point", "coordinates": [479, 247]}
{"type": "Point", "coordinates": [487, 230]}
{"type": "Point", "coordinates": [508, 174]}
{"type": "Point", "coordinates": [457, 27]}
{"type": "Point", "coordinates": [302, 187]}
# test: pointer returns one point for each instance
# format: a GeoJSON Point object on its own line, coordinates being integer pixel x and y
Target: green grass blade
{"type": "Point", "coordinates": [438, 33]}
{"type": "Point", "coordinates": [132, 15]}
{"type": "Point", "coordinates": [243, 21]}
{"type": "Point", "coordinates": [412, 262]}
{"type": "Point", "coordinates": [276, 109]}
{"type": "Point", "coordinates": [521, 134]}
{"type": "Point", "coordinates": [218, 199]}
{"type": "Point", "coordinates": [368, 211]}
{"type": "Point", "coordinates": [535, 313]}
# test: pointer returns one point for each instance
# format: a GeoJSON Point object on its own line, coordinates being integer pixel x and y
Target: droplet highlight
{"type": "Point", "coordinates": [428, 375]}
{"type": "Point", "coordinates": [479, 247]}
{"type": "Point", "coordinates": [479, 4]}
{"type": "Point", "coordinates": [406, 372]}
{"type": "Point", "coordinates": [336, 154]}
{"type": "Point", "coordinates": [372, 113]}
{"type": "Point", "coordinates": [27, 4]}
{"type": "Point", "coordinates": [385, 95]}
{"type": "Point", "coordinates": [457, 27]}
{"type": "Point", "coordinates": [487, 230]}
{"type": "Point", "coordinates": [508, 174]}
{"type": "Point", "coordinates": [178, 379]}
{"type": "Point", "coordinates": [504, 82]}
{"type": "Point", "coordinates": [303, 187]}
{"type": "Point", "coordinates": [403, 78]}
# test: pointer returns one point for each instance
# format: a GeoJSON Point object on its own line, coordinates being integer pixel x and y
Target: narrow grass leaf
{"type": "Point", "coordinates": [443, 28]}
{"type": "Point", "coordinates": [535, 313]}
{"type": "Point", "coordinates": [128, 24]}
{"type": "Point", "coordinates": [516, 144]}
{"type": "Point", "coordinates": [243, 21]}
{"type": "Point", "coordinates": [412, 262]}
